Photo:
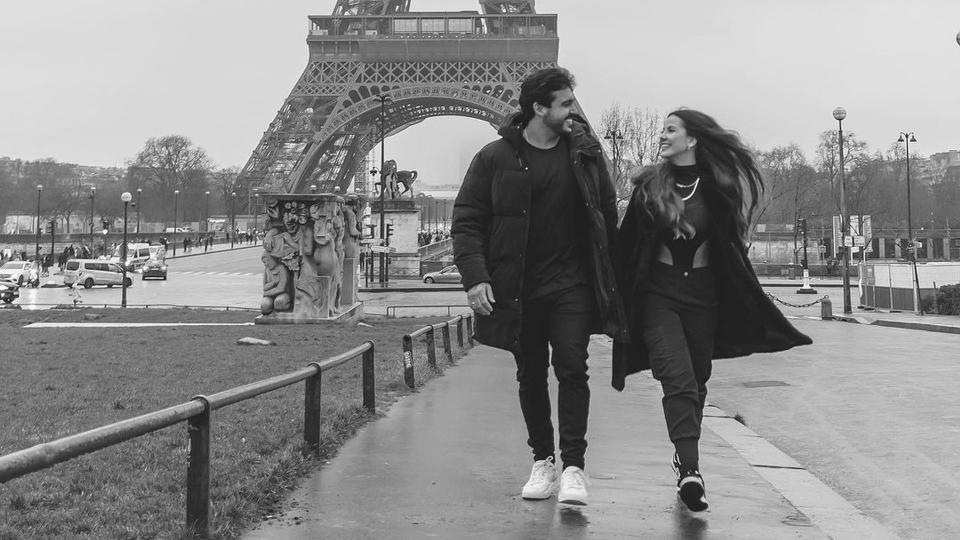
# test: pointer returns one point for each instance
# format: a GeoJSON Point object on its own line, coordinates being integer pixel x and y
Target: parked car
{"type": "Point", "coordinates": [450, 274]}
{"type": "Point", "coordinates": [154, 268]}
{"type": "Point", "coordinates": [17, 271]}
{"type": "Point", "coordinates": [90, 272]}
{"type": "Point", "coordinates": [9, 291]}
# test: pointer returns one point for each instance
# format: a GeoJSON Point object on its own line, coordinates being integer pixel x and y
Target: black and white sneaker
{"type": "Point", "coordinates": [690, 487]}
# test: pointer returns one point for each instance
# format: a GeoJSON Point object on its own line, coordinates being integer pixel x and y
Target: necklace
{"type": "Point", "coordinates": [693, 185]}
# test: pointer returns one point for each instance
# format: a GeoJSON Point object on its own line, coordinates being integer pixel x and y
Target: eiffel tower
{"type": "Point", "coordinates": [465, 63]}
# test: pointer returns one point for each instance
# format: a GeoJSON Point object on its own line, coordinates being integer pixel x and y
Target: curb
{"type": "Point", "coordinates": [928, 327]}
{"type": "Point", "coordinates": [212, 252]}
{"type": "Point", "coordinates": [825, 508]}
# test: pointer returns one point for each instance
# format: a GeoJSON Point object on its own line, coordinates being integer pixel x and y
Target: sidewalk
{"type": "Point", "coordinates": [449, 462]}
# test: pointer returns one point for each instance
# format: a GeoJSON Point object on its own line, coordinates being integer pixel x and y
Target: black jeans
{"type": "Point", "coordinates": [679, 319]}
{"type": "Point", "coordinates": [563, 320]}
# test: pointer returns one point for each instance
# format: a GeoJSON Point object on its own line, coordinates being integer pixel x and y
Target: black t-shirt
{"type": "Point", "coordinates": [556, 244]}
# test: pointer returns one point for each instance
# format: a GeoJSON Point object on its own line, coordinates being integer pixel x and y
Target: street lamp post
{"type": "Point", "coordinates": [36, 257]}
{"type": "Point", "coordinates": [139, 191]}
{"type": "Point", "coordinates": [53, 233]}
{"type": "Point", "coordinates": [176, 207]}
{"type": "Point", "coordinates": [233, 218]}
{"type": "Point", "coordinates": [256, 211]}
{"type": "Point", "coordinates": [93, 196]}
{"type": "Point", "coordinates": [126, 198]}
{"type": "Point", "coordinates": [839, 114]}
{"type": "Point", "coordinates": [907, 137]}
{"type": "Point", "coordinates": [614, 136]}
{"type": "Point", "coordinates": [206, 218]}
{"type": "Point", "coordinates": [383, 99]}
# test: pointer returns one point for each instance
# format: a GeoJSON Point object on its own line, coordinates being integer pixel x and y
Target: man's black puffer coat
{"type": "Point", "coordinates": [490, 227]}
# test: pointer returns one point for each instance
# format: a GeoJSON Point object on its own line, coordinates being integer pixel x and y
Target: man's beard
{"type": "Point", "coordinates": [557, 126]}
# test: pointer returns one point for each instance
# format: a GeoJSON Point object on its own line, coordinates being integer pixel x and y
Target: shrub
{"type": "Point", "coordinates": [948, 300]}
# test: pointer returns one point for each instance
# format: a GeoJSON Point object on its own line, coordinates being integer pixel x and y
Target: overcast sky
{"type": "Point", "coordinates": [88, 81]}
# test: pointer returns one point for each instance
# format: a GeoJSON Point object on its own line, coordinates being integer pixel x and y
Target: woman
{"type": "Point", "coordinates": [690, 291]}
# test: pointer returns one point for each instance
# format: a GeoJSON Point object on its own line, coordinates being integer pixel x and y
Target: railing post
{"type": "Point", "coordinates": [431, 348]}
{"type": "Point", "coordinates": [408, 361]}
{"type": "Point", "coordinates": [447, 349]}
{"type": "Point", "coordinates": [460, 331]}
{"type": "Point", "coordinates": [198, 471]}
{"type": "Point", "coordinates": [369, 390]}
{"type": "Point", "coordinates": [311, 411]}
{"type": "Point", "coordinates": [470, 329]}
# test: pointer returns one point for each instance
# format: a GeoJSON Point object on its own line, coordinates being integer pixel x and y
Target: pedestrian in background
{"type": "Point", "coordinates": [531, 229]}
{"type": "Point", "coordinates": [690, 292]}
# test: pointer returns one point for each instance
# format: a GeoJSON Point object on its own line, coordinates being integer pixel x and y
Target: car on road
{"type": "Point", "coordinates": [137, 254]}
{"type": "Point", "coordinates": [90, 272]}
{"type": "Point", "coordinates": [17, 271]}
{"type": "Point", "coordinates": [449, 274]}
{"type": "Point", "coordinates": [154, 268]}
{"type": "Point", "coordinates": [9, 291]}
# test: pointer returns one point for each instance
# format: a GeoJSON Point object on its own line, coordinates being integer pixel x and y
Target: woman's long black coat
{"type": "Point", "coordinates": [748, 322]}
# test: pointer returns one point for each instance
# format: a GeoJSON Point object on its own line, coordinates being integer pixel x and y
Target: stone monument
{"type": "Point", "coordinates": [308, 241]}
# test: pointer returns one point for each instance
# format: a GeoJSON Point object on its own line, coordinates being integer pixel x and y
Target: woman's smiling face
{"type": "Point", "coordinates": [675, 144]}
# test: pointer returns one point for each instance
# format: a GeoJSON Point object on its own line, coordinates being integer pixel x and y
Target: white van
{"type": "Point", "coordinates": [137, 255]}
{"type": "Point", "coordinates": [90, 272]}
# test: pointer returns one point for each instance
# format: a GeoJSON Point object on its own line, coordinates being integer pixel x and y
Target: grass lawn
{"type": "Point", "coordinates": [61, 381]}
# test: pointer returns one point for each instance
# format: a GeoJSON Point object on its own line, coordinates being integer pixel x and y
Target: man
{"type": "Point", "coordinates": [532, 228]}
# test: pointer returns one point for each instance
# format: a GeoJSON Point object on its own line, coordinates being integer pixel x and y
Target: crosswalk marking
{"type": "Point", "coordinates": [219, 274]}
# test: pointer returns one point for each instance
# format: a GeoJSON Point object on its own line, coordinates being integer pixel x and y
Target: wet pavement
{"type": "Point", "coordinates": [449, 461]}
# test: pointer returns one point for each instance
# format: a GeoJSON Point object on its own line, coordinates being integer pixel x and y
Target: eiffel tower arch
{"type": "Point", "coordinates": [466, 63]}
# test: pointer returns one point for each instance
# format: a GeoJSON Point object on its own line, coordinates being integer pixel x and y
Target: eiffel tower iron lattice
{"type": "Point", "coordinates": [432, 64]}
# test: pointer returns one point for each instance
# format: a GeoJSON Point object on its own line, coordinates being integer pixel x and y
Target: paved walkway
{"type": "Point", "coordinates": [449, 461]}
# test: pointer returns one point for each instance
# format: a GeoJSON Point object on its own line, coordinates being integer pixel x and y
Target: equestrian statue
{"type": "Point", "coordinates": [391, 179]}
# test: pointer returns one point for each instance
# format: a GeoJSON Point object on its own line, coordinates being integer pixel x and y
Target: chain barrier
{"type": "Point", "coordinates": [815, 302]}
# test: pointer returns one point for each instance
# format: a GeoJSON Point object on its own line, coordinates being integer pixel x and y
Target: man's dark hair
{"type": "Point", "coordinates": [540, 86]}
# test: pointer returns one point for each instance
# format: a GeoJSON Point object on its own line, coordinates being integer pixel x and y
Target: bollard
{"type": "Point", "coordinates": [826, 308]}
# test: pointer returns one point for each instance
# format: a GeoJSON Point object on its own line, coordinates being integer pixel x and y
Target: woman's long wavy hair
{"type": "Point", "coordinates": [731, 163]}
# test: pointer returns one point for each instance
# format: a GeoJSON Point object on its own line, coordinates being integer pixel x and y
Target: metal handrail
{"type": "Point", "coordinates": [197, 413]}
{"type": "Point", "coordinates": [429, 330]}
{"type": "Point", "coordinates": [81, 305]}
{"type": "Point", "coordinates": [447, 306]}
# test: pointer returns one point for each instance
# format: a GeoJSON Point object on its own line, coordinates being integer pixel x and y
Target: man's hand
{"type": "Point", "coordinates": [481, 298]}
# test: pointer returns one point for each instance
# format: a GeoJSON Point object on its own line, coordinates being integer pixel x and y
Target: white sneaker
{"type": "Point", "coordinates": [543, 480]}
{"type": "Point", "coordinates": [573, 487]}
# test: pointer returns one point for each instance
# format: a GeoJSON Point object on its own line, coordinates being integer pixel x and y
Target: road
{"type": "Point", "coordinates": [225, 279]}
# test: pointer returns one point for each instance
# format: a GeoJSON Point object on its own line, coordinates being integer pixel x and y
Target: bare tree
{"type": "Point", "coordinates": [790, 185]}
{"type": "Point", "coordinates": [173, 163]}
{"type": "Point", "coordinates": [633, 137]}
{"type": "Point", "coordinates": [224, 182]}
{"type": "Point", "coordinates": [643, 134]}
{"type": "Point", "coordinates": [614, 128]}
{"type": "Point", "coordinates": [828, 159]}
